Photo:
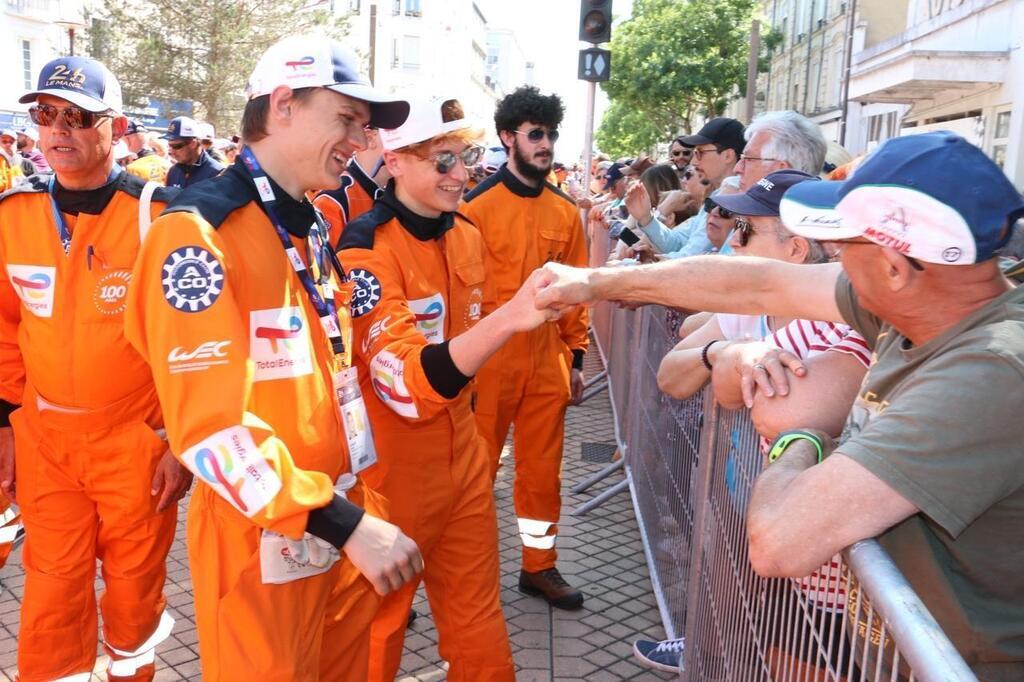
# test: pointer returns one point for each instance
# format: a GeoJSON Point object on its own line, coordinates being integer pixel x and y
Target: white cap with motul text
{"type": "Point", "coordinates": [426, 121]}
{"type": "Point", "coordinates": [311, 61]}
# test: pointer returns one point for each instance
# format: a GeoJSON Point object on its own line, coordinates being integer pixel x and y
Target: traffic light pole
{"type": "Point", "coordinates": [588, 142]}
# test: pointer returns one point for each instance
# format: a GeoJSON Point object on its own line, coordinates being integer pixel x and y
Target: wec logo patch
{"type": "Point", "coordinates": [198, 359]}
{"type": "Point", "coordinates": [367, 292]}
{"type": "Point", "coordinates": [193, 279]}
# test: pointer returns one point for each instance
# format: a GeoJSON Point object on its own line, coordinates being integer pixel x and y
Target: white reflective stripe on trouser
{"type": "Point", "coordinates": [144, 655]}
{"type": "Point", "coordinates": [533, 533]}
{"type": "Point", "coordinates": [9, 515]}
{"type": "Point", "coordinates": [77, 677]}
{"type": "Point", "coordinates": [8, 533]}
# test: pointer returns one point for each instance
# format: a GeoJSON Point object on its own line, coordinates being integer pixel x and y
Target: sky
{"type": "Point", "coordinates": [548, 31]}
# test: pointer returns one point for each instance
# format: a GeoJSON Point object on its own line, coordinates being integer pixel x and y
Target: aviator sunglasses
{"type": "Point", "coordinates": [74, 116]}
{"type": "Point", "coordinates": [445, 161]}
{"type": "Point", "coordinates": [537, 134]}
{"type": "Point", "coordinates": [710, 205]}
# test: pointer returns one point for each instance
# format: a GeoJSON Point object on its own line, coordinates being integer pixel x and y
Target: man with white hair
{"type": "Point", "coordinates": [778, 140]}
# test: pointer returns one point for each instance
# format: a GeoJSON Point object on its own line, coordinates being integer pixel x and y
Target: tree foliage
{"type": "Point", "coordinates": [626, 131]}
{"type": "Point", "coordinates": [675, 58]}
{"type": "Point", "coordinates": [199, 50]}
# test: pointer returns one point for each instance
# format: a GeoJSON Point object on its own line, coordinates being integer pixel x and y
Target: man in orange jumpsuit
{"type": "Point", "coordinates": [526, 222]}
{"type": "Point", "coordinates": [89, 455]}
{"type": "Point", "coordinates": [236, 308]}
{"type": "Point", "coordinates": [419, 339]}
{"type": "Point", "coordinates": [359, 188]}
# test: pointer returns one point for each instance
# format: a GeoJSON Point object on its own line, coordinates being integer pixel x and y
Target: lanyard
{"type": "Point", "coordinates": [318, 291]}
{"type": "Point", "coordinates": [58, 218]}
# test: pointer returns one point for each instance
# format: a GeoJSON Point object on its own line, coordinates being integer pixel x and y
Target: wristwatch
{"type": "Point", "coordinates": [787, 438]}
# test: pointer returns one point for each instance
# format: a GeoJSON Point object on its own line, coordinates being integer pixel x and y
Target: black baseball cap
{"type": "Point", "coordinates": [764, 197]}
{"type": "Point", "coordinates": [135, 126]}
{"type": "Point", "coordinates": [613, 175]}
{"type": "Point", "coordinates": [726, 133]}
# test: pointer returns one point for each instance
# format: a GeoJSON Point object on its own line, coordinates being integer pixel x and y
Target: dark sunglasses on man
{"type": "Point", "coordinates": [75, 117]}
{"type": "Point", "coordinates": [537, 134]}
{"type": "Point", "coordinates": [710, 205]}
{"type": "Point", "coordinates": [178, 146]}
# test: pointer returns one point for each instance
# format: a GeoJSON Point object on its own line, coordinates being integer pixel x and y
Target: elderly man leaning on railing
{"type": "Point", "coordinates": [931, 461]}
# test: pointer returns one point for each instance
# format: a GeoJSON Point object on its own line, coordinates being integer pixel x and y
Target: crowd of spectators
{"type": "Point", "coordinates": [806, 372]}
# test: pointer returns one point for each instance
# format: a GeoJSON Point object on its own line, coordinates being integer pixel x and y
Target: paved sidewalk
{"type": "Point", "coordinates": [600, 552]}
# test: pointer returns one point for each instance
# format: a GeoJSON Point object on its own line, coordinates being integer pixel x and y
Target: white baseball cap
{"type": "Point", "coordinates": [30, 133]}
{"type": "Point", "coordinates": [306, 61]}
{"type": "Point", "coordinates": [425, 122]}
{"type": "Point", "coordinates": [205, 130]}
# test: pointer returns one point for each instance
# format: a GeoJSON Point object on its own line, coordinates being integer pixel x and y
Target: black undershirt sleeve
{"type": "Point", "coordinates": [443, 375]}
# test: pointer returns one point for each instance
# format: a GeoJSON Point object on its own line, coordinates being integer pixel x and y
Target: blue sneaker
{"type": "Point", "coordinates": [666, 655]}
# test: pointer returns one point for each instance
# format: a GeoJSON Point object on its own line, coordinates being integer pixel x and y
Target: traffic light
{"type": "Point", "coordinates": [596, 21]}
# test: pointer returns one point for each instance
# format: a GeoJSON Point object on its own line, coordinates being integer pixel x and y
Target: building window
{"type": "Point", "coordinates": [353, 6]}
{"type": "Point", "coordinates": [394, 52]}
{"type": "Point", "coordinates": [410, 52]}
{"type": "Point", "coordinates": [412, 8]}
{"type": "Point", "coordinates": [999, 155]}
{"type": "Point", "coordinates": [26, 63]}
{"type": "Point", "coordinates": [1002, 124]}
{"type": "Point", "coordinates": [396, 7]}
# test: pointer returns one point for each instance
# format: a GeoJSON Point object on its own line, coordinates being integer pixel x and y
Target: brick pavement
{"type": "Point", "coordinates": [600, 552]}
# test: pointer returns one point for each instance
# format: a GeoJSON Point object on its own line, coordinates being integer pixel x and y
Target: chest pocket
{"type": "Point", "coordinates": [467, 296]}
{"type": "Point", "coordinates": [554, 243]}
{"type": "Point", "coordinates": [107, 276]}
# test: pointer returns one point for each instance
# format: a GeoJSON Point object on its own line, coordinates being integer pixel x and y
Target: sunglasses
{"type": "Point", "coordinates": [537, 134]}
{"type": "Point", "coordinates": [682, 152]}
{"type": "Point", "coordinates": [74, 116]}
{"type": "Point", "coordinates": [445, 161]}
{"type": "Point", "coordinates": [710, 205]}
{"type": "Point", "coordinates": [178, 146]}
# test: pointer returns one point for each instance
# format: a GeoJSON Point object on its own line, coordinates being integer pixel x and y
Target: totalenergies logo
{"type": "Point", "coordinates": [33, 286]}
{"type": "Point", "coordinates": [384, 385]}
{"type": "Point", "coordinates": [275, 334]}
{"type": "Point", "coordinates": [216, 467]}
{"type": "Point", "coordinates": [304, 64]}
{"type": "Point", "coordinates": [431, 317]}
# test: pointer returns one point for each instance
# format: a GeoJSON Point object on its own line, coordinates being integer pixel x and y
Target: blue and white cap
{"type": "Point", "coordinates": [306, 61]}
{"type": "Point", "coordinates": [79, 80]}
{"type": "Point", "coordinates": [934, 197]}
{"type": "Point", "coordinates": [181, 128]}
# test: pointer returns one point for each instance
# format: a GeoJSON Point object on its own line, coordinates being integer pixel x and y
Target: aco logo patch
{"type": "Point", "coordinates": [192, 279]}
{"type": "Point", "coordinates": [110, 292]}
{"type": "Point", "coordinates": [367, 292]}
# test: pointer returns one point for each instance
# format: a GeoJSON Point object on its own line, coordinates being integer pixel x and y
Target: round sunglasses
{"type": "Point", "coordinates": [445, 161]}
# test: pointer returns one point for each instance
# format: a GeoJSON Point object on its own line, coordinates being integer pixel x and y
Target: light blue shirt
{"type": "Point", "coordinates": [669, 240]}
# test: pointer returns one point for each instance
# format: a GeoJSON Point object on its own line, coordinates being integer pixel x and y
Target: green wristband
{"type": "Point", "coordinates": [787, 438]}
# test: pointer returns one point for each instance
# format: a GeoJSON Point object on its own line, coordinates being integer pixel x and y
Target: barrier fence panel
{"type": "Point", "coordinates": [691, 467]}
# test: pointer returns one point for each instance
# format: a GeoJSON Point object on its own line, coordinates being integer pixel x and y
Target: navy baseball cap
{"type": "Point", "coordinates": [934, 197]}
{"type": "Point", "coordinates": [135, 126]}
{"type": "Point", "coordinates": [181, 128]}
{"type": "Point", "coordinates": [723, 132]}
{"type": "Point", "coordinates": [612, 175]}
{"type": "Point", "coordinates": [764, 197]}
{"type": "Point", "coordinates": [81, 81]}
{"type": "Point", "coordinates": [306, 61]}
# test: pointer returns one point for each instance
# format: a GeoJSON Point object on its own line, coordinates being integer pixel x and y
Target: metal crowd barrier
{"type": "Point", "coordinates": [690, 467]}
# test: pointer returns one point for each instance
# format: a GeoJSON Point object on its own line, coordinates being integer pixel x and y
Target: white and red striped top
{"type": "Point", "coordinates": [807, 338]}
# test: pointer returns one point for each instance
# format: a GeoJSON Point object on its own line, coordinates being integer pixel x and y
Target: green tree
{"type": "Point", "coordinates": [626, 131]}
{"type": "Point", "coordinates": [199, 50]}
{"type": "Point", "coordinates": [675, 58]}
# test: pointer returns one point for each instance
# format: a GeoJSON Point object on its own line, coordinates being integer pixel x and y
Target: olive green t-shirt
{"type": "Point", "coordinates": [943, 425]}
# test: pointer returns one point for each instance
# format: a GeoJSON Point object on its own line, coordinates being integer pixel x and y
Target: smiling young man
{"type": "Point", "coordinates": [93, 477]}
{"type": "Point", "coordinates": [238, 311]}
{"type": "Point", "coordinates": [419, 339]}
{"type": "Point", "coordinates": [526, 222]}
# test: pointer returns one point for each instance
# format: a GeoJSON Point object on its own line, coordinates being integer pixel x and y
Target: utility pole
{"type": "Point", "coordinates": [755, 53]}
{"type": "Point", "coordinates": [848, 58]}
{"type": "Point", "coordinates": [594, 66]}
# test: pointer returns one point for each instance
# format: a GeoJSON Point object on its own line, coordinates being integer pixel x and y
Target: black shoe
{"type": "Point", "coordinates": [412, 618]}
{"type": "Point", "coordinates": [552, 586]}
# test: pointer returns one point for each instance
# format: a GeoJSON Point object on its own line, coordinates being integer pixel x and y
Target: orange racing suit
{"type": "Point", "coordinates": [244, 371]}
{"type": "Point", "coordinates": [527, 381]}
{"type": "Point", "coordinates": [418, 284]}
{"type": "Point", "coordinates": [352, 199]}
{"type": "Point", "coordinates": [87, 434]}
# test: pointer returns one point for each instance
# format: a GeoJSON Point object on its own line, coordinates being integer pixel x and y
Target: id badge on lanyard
{"type": "Point", "coordinates": [333, 318]}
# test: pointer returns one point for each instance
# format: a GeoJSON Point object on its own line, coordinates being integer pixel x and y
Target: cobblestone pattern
{"type": "Point", "coordinates": [601, 553]}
